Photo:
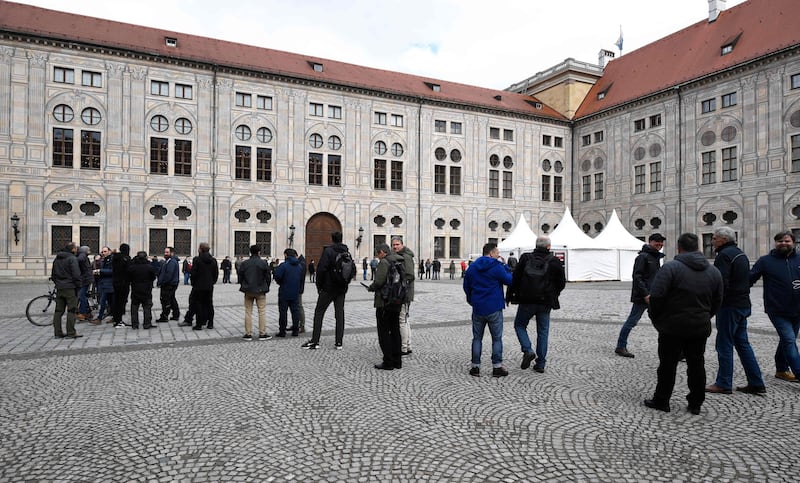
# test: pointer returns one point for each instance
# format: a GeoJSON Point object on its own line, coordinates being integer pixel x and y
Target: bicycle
{"type": "Point", "coordinates": [40, 309]}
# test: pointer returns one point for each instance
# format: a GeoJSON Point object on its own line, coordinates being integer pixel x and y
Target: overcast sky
{"type": "Point", "coordinates": [480, 42]}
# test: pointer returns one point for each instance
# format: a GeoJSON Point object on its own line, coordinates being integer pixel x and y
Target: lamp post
{"type": "Point", "coordinates": [360, 237]}
{"type": "Point", "coordinates": [291, 235]}
{"type": "Point", "coordinates": [15, 227]}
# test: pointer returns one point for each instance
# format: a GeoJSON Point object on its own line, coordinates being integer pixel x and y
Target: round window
{"type": "Point", "coordinates": [508, 163]}
{"type": "Point", "coordinates": [334, 143]}
{"type": "Point", "coordinates": [183, 126]}
{"type": "Point", "coordinates": [546, 165]}
{"type": "Point", "coordinates": [63, 113]}
{"type": "Point", "coordinates": [494, 160]}
{"type": "Point", "coordinates": [91, 116]}
{"type": "Point", "coordinates": [558, 166]}
{"type": "Point", "coordinates": [440, 154]}
{"type": "Point", "coordinates": [380, 148]}
{"type": "Point", "coordinates": [455, 155]}
{"type": "Point", "coordinates": [243, 133]}
{"type": "Point", "coordinates": [397, 149]}
{"type": "Point", "coordinates": [159, 123]}
{"type": "Point", "coordinates": [264, 135]}
{"type": "Point", "coordinates": [315, 141]}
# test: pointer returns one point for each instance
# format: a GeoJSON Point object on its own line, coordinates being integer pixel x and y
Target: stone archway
{"type": "Point", "coordinates": [318, 234]}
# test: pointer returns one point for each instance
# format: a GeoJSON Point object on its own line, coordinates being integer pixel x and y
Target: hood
{"type": "Point", "coordinates": [64, 254]}
{"type": "Point", "coordinates": [84, 250]}
{"type": "Point", "coordinates": [339, 247]}
{"type": "Point", "coordinates": [406, 251]}
{"type": "Point", "coordinates": [206, 258]}
{"type": "Point", "coordinates": [694, 260]}
{"type": "Point", "coordinates": [291, 261]}
{"type": "Point", "coordinates": [484, 263]}
{"type": "Point", "coordinates": [125, 249]}
{"type": "Point", "coordinates": [652, 251]}
{"type": "Point", "coordinates": [395, 257]}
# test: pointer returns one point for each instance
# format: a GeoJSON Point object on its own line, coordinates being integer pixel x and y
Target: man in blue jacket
{"type": "Point", "coordinates": [168, 279]}
{"type": "Point", "coordinates": [290, 275]}
{"type": "Point", "coordinates": [483, 285]}
{"type": "Point", "coordinates": [781, 272]}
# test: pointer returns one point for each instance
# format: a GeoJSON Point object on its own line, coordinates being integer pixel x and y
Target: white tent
{"type": "Point", "coordinates": [584, 259]}
{"type": "Point", "coordinates": [522, 239]}
{"type": "Point", "coordinates": [615, 237]}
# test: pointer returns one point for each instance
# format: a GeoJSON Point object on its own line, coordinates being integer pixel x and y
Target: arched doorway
{"type": "Point", "coordinates": [318, 234]}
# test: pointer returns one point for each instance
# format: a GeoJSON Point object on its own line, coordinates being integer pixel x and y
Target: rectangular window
{"type": "Point", "coordinates": [494, 133]}
{"type": "Point", "coordinates": [335, 112]}
{"type": "Point", "coordinates": [438, 246]}
{"type": "Point", "coordinates": [242, 170]}
{"type": "Point", "coordinates": [796, 81]}
{"type": "Point", "coordinates": [439, 179]}
{"type": "Point", "coordinates": [638, 125]}
{"type": "Point", "coordinates": [455, 128]}
{"type": "Point", "coordinates": [494, 183]}
{"type": "Point", "coordinates": [729, 164]}
{"type": "Point", "coordinates": [241, 243]}
{"type": "Point", "coordinates": [315, 169]}
{"type": "Point", "coordinates": [157, 240]}
{"type": "Point", "coordinates": [380, 174]}
{"type": "Point", "coordinates": [598, 186]}
{"type": "Point", "coordinates": [63, 145]}
{"type": "Point", "coordinates": [159, 88]}
{"type": "Point", "coordinates": [183, 91]}
{"type": "Point", "coordinates": [545, 187]}
{"type": "Point", "coordinates": [63, 75]}
{"type": "Point", "coordinates": [380, 118]}
{"type": "Point", "coordinates": [90, 149]}
{"type": "Point", "coordinates": [59, 237]}
{"type": "Point", "coordinates": [546, 140]}
{"type": "Point", "coordinates": [655, 120]}
{"type": "Point", "coordinates": [638, 179]}
{"type": "Point", "coordinates": [159, 156]}
{"type": "Point", "coordinates": [182, 241]}
{"type": "Point", "coordinates": [508, 184]}
{"type": "Point", "coordinates": [587, 188]}
{"type": "Point", "coordinates": [264, 240]}
{"type": "Point", "coordinates": [90, 237]}
{"type": "Point", "coordinates": [508, 135]}
{"type": "Point", "coordinates": [709, 167]}
{"type": "Point", "coordinates": [558, 188]}
{"type": "Point", "coordinates": [729, 100]}
{"type": "Point", "coordinates": [709, 105]}
{"type": "Point", "coordinates": [455, 247]}
{"type": "Point", "coordinates": [315, 109]}
{"type": "Point", "coordinates": [244, 100]}
{"type": "Point", "coordinates": [439, 126]}
{"type": "Point", "coordinates": [558, 142]}
{"type": "Point", "coordinates": [455, 180]}
{"type": "Point", "coordinates": [263, 164]}
{"type": "Point", "coordinates": [655, 176]}
{"type": "Point", "coordinates": [586, 140]}
{"type": "Point", "coordinates": [264, 102]}
{"type": "Point", "coordinates": [92, 79]}
{"type": "Point", "coordinates": [598, 137]}
{"type": "Point", "coordinates": [397, 120]}
{"type": "Point", "coordinates": [708, 245]}
{"type": "Point", "coordinates": [796, 153]}
{"type": "Point", "coordinates": [397, 176]}
{"type": "Point", "coordinates": [334, 170]}
{"type": "Point", "coordinates": [183, 157]}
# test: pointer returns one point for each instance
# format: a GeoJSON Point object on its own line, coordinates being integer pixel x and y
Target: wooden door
{"type": "Point", "coordinates": [318, 234]}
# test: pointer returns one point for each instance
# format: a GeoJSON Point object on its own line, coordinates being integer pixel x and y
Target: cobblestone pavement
{"type": "Point", "coordinates": [173, 404]}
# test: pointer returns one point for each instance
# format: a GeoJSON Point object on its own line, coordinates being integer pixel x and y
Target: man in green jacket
{"type": "Point", "coordinates": [387, 314]}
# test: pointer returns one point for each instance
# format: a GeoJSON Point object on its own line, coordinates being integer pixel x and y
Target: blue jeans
{"type": "Point", "coordinates": [786, 356]}
{"type": "Point", "coordinates": [83, 301]}
{"type": "Point", "coordinates": [732, 332]}
{"type": "Point", "coordinates": [524, 314]}
{"type": "Point", "coordinates": [637, 310]}
{"type": "Point", "coordinates": [106, 301]}
{"type": "Point", "coordinates": [495, 323]}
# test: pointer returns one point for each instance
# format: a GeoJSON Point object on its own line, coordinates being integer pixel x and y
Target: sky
{"type": "Point", "coordinates": [484, 43]}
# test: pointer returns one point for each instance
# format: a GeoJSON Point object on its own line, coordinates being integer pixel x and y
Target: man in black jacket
{"type": "Point", "coordinates": [685, 294]}
{"type": "Point", "coordinates": [122, 285]}
{"type": "Point", "coordinates": [254, 278]}
{"type": "Point", "coordinates": [66, 276]}
{"type": "Point", "coordinates": [644, 270]}
{"type": "Point", "coordinates": [141, 274]}
{"type": "Point", "coordinates": [329, 290]}
{"type": "Point", "coordinates": [205, 273]}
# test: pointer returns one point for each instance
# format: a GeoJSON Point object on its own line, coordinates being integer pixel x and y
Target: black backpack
{"type": "Point", "coordinates": [537, 278]}
{"type": "Point", "coordinates": [344, 268]}
{"type": "Point", "coordinates": [395, 290]}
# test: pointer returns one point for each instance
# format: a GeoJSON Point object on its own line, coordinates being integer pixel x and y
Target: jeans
{"type": "Point", "coordinates": [669, 353]}
{"type": "Point", "coordinates": [106, 302]}
{"type": "Point", "coordinates": [285, 306]}
{"type": "Point", "coordinates": [495, 322]}
{"type": "Point", "coordinates": [786, 356]}
{"type": "Point", "coordinates": [524, 314]}
{"type": "Point", "coordinates": [732, 332]}
{"type": "Point", "coordinates": [186, 278]}
{"type": "Point", "coordinates": [637, 310]}
{"type": "Point", "coordinates": [83, 304]}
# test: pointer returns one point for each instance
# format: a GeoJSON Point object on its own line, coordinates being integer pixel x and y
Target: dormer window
{"type": "Point", "coordinates": [434, 87]}
{"type": "Point", "coordinates": [727, 49]}
{"type": "Point", "coordinates": [171, 42]}
{"type": "Point", "coordinates": [602, 94]}
{"type": "Point", "coordinates": [316, 66]}
{"type": "Point", "coordinates": [728, 46]}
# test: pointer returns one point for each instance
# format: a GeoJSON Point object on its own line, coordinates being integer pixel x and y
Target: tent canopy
{"type": "Point", "coordinates": [521, 239]}
{"type": "Point", "coordinates": [616, 236]}
{"type": "Point", "coordinates": [568, 235]}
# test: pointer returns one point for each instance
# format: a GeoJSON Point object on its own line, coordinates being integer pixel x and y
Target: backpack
{"type": "Point", "coordinates": [395, 290]}
{"type": "Point", "coordinates": [344, 268]}
{"type": "Point", "coordinates": [537, 278]}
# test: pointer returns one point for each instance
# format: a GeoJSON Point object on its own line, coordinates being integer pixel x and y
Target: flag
{"type": "Point", "coordinates": [619, 40]}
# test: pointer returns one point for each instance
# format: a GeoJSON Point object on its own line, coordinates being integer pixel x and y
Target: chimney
{"type": "Point", "coordinates": [714, 8]}
{"type": "Point", "coordinates": [604, 56]}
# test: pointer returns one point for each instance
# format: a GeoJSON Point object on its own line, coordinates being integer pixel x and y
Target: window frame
{"type": "Point", "coordinates": [379, 174]}
{"type": "Point", "coordinates": [456, 128]}
{"type": "Point", "coordinates": [91, 79]}
{"type": "Point", "coordinates": [586, 140]}
{"type": "Point", "coordinates": [334, 112]}
{"type": "Point", "coordinates": [730, 164]}
{"type": "Point", "coordinates": [494, 183]}
{"type": "Point", "coordinates": [655, 120]}
{"type": "Point", "coordinates": [264, 102]}
{"type": "Point", "coordinates": [380, 118]}
{"type": "Point", "coordinates": [396, 175]}
{"type": "Point", "coordinates": [91, 145]}
{"type": "Point", "coordinates": [63, 147]}
{"type": "Point", "coordinates": [63, 75]}
{"type": "Point", "coordinates": [397, 120]}
{"type": "Point", "coordinates": [508, 135]}
{"type": "Point", "coordinates": [708, 167]}
{"type": "Point", "coordinates": [655, 176]}
{"type": "Point", "coordinates": [639, 125]}
{"type": "Point", "coordinates": [586, 187]}
{"type": "Point", "coordinates": [708, 105]}
{"type": "Point", "coordinates": [182, 149]}
{"type": "Point", "coordinates": [243, 99]}
{"type": "Point", "coordinates": [159, 88]}
{"type": "Point", "coordinates": [729, 100]}
{"type": "Point", "coordinates": [184, 91]}
{"type": "Point", "coordinates": [639, 179]}
{"type": "Point", "coordinates": [439, 126]}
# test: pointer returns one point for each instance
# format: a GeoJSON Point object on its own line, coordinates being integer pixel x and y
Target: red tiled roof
{"type": "Point", "coordinates": [763, 26]}
{"type": "Point", "coordinates": [26, 19]}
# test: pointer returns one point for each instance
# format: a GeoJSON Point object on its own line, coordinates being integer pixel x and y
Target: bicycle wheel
{"type": "Point", "coordinates": [40, 310]}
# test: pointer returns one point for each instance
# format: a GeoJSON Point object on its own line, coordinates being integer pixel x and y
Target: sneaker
{"type": "Point", "coordinates": [748, 389]}
{"type": "Point", "coordinates": [280, 334]}
{"type": "Point", "coordinates": [310, 345]}
{"type": "Point", "coordinates": [119, 325]}
{"type": "Point", "coordinates": [95, 322]}
{"type": "Point", "coordinates": [475, 371]}
{"type": "Point", "coordinates": [264, 337]}
{"type": "Point", "coordinates": [539, 369]}
{"type": "Point", "coordinates": [247, 337]}
{"type": "Point", "coordinates": [338, 347]}
{"type": "Point", "coordinates": [786, 376]}
{"type": "Point", "coordinates": [527, 358]}
{"type": "Point", "coordinates": [623, 352]}
{"type": "Point", "coordinates": [713, 388]}
{"type": "Point", "coordinates": [499, 372]}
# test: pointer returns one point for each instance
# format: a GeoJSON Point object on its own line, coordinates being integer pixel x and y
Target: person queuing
{"type": "Point", "coordinates": [122, 284]}
{"type": "Point", "coordinates": [141, 275]}
{"type": "Point", "coordinates": [408, 265]}
{"type": "Point", "coordinates": [387, 314]}
{"type": "Point", "coordinates": [254, 279]}
{"type": "Point", "coordinates": [205, 273]}
{"type": "Point", "coordinates": [66, 275]}
{"type": "Point", "coordinates": [290, 276]}
{"type": "Point", "coordinates": [329, 290]}
{"type": "Point", "coordinates": [168, 280]}
{"type": "Point", "coordinates": [105, 285]}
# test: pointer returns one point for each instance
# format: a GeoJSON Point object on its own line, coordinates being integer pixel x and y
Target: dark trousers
{"type": "Point", "coordinates": [226, 276]}
{"type": "Point", "coordinates": [169, 302]}
{"type": "Point", "coordinates": [66, 301]}
{"type": "Point", "coordinates": [146, 301]}
{"type": "Point", "coordinates": [388, 318]}
{"type": "Point", "coordinates": [669, 354]}
{"type": "Point", "coordinates": [283, 307]}
{"type": "Point", "coordinates": [120, 301]}
{"type": "Point", "coordinates": [203, 301]}
{"type": "Point", "coordinates": [324, 299]}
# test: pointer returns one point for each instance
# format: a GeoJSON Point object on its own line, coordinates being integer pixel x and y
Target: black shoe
{"type": "Point", "coordinates": [694, 410]}
{"type": "Point", "coordinates": [135, 327]}
{"type": "Point", "coordinates": [660, 407]}
{"type": "Point", "coordinates": [161, 320]}
{"type": "Point", "coordinates": [748, 389]}
{"type": "Point", "coordinates": [407, 353]}
{"type": "Point", "coordinates": [147, 326]}
{"type": "Point", "coordinates": [247, 337]}
{"type": "Point", "coordinates": [174, 318]}
{"type": "Point", "coordinates": [210, 326]}
{"type": "Point", "coordinates": [527, 358]}
{"type": "Point", "coordinates": [623, 352]}
{"type": "Point", "coordinates": [384, 367]}
{"type": "Point", "coordinates": [295, 334]}
{"type": "Point", "coordinates": [183, 324]}
{"type": "Point", "coordinates": [264, 336]}
{"type": "Point", "coordinates": [475, 372]}
{"type": "Point", "coordinates": [499, 372]}
{"type": "Point", "coordinates": [280, 334]}
{"type": "Point", "coordinates": [73, 336]}
{"type": "Point", "coordinates": [197, 327]}
{"type": "Point", "coordinates": [539, 369]}
{"type": "Point", "coordinates": [59, 336]}
{"type": "Point", "coordinates": [310, 345]}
